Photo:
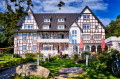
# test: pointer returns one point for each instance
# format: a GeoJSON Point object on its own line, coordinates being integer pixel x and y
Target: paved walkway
{"type": "Point", "coordinates": [8, 73]}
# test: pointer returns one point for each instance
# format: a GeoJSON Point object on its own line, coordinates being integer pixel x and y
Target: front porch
{"type": "Point", "coordinates": [53, 48]}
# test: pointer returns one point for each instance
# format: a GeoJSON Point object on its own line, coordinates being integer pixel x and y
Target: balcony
{"type": "Point", "coordinates": [53, 40]}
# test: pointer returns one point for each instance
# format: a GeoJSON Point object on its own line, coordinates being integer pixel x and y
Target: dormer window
{"type": "Point", "coordinates": [28, 26]}
{"type": "Point", "coordinates": [61, 20]}
{"type": "Point", "coordinates": [46, 20]}
{"type": "Point", "coordinates": [86, 17]}
{"type": "Point", "coordinates": [46, 27]}
{"type": "Point", "coordinates": [61, 26]}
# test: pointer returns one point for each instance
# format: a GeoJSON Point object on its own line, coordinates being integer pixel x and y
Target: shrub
{"type": "Point", "coordinates": [17, 62]}
{"type": "Point", "coordinates": [30, 55]}
{"type": "Point", "coordinates": [16, 56]}
{"type": "Point", "coordinates": [85, 53]}
{"type": "Point", "coordinates": [40, 54]}
{"type": "Point", "coordinates": [75, 57]}
{"type": "Point", "coordinates": [102, 62]}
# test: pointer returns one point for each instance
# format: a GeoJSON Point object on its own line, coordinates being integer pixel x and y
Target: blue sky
{"type": "Point", "coordinates": [105, 10]}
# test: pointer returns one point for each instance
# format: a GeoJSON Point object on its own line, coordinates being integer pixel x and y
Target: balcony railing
{"type": "Point", "coordinates": [53, 40]}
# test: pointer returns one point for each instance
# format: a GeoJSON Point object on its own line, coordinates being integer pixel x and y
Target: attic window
{"type": "Point", "coordinates": [29, 16]}
{"type": "Point", "coordinates": [46, 20]}
{"type": "Point", "coordinates": [46, 27]}
{"type": "Point", "coordinates": [86, 17]}
{"type": "Point", "coordinates": [61, 26]}
{"type": "Point", "coordinates": [61, 20]}
{"type": "Point", "coordinates": [96, 27]}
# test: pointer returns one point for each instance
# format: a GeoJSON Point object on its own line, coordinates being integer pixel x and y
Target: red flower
{"type": "Point", "coordinates": [99, 55]}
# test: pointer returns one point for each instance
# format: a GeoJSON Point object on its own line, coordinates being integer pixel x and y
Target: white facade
{"type": "Point", "coordinates": [113, 42]}
{"type": "Point", "coordinates": [86, 26]}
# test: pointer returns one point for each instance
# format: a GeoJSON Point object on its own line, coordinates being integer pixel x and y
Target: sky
{"type": "Point", "coordinates": [105, 10]}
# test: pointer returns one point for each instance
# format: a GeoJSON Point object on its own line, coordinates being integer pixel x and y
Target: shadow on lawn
{"type": "Point", "coordinates": [90, 73]}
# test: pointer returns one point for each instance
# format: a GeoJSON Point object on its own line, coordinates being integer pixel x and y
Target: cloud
{"type": "Point", "coordinates": [105, 21]}
{"type": "Point", "coordinates": [70, 5]}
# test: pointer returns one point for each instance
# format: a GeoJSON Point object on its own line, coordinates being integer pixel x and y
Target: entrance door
{"type": "Point", "coordinates": [75, 48]}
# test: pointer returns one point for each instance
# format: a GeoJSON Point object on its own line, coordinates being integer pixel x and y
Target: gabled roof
{"type": "Point", "coordinates": [70, 18]}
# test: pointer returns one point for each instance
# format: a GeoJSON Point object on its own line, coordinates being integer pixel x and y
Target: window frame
{"type": "Point", "coordinates": [46, 20]}
{"type": "Point", "coordinates": [26, 26]}
{"type": "Point", "coordinates": [61, 19]}
{"type": "Point", "coordinates": [86, 37]}
{"type": "Point", "coordinates": [44, 26]}
{"type": "Point", "coordinates": [74, 33]}
{"type": "Point", "coordinates": [85, 17]}
{"type": "Point", "coordinates": [98, 35]}
{"type": "Point", "coordinates": [63, 26]}
{"type": "Point", "coordinates": [35, 47]}
{"type": "Point", "coordinates": [34, 36]}
{"type": "Point", "coordinates": [24, 36]}
{"type": "Point", "coordinates": [24, 48]}
{"type": "Point", "coordinates": [85, 26]}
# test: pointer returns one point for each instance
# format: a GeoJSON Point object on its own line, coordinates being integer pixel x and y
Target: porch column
{"type": "Point", "coordinates": [38, 47]}
{"type": "Point", "coordinates": [96, 48]}
{"type": "Point", "coordinates": [78, 49]}
{"type": "Point", "coordinates": [90, 48]}
{"type": "Point", "coordinates": [84, 47]}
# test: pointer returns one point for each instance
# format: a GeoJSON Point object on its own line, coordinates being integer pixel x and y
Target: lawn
{"type": "Point", "coordinates": [90, 73]}
{"type": "Point", "coordinates": [7, 58]}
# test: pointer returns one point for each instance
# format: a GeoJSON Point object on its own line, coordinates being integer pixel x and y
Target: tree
{"type": "Point", "coordinates": [9, 19]}
{"type": "Point", "coordinates": [61, 3]}
{"type": "Point", "coordinates": [113, 28]}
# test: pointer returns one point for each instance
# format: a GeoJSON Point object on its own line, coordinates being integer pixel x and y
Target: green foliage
{"type": "Point", "coordinates": [85, 53]}
{"type": "Point", "coordinates": [75, 57]}
{"type": "Point", "coordinates": [102, 62]}
{"type": "Point", "coordinates": [113, 28]}
{"type": "Point", "coordinates": [26, 77]}
{"type": "Point", "coordinates": [9, 19]}
{"type": "Point", "coordinates": [57, 64]}
{"type": "Point", "coordinates": [30, 55]}
{"type": "Point", "coordinates": [16, 56]}
{"type": "Point", "coordinates": [16, 62]}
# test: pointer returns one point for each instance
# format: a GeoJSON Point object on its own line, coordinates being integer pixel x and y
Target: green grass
{"type": "Point", "coordinates": [57, 64]}
{"type": "Point", "coordinates": [7, 58]}
{"type": "Point", "coordinates": [90, 73]}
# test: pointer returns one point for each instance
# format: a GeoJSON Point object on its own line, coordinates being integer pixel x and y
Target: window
{"type": "Point", "coordinates": [86, 37]}
{"type": "Point", "coordinates": [96, 27]}
{"type": "Point", "coordinates": [24, 36]}
{"type": "Point", "coordinates": [34, 48]}
{"type": "Point", "coordinates": [28, 17]}
{"type": "Point", "coordinates": [86, 26]}
{"type": "Point", "coordinates": [86, 17]}
{"type": "Point", "coordinates": [74, 41]}
{"type": "Point", "coordinates": [47, 47]}
{"type": "Point", "coordinates": [24, 47]}
{"type": "Point", "coordinates": [46, 20]}
{"type": "Point", "coordinates": [61, 26]}
{"type": "Point", "coordinates": [45, 26]}
{"type": "Point", "coordinates": [28, 26]}
{"type": "Point", "coordinates": [19, 34]}
{"type": "Point", "coordinates": [97, 37]}
{"type": "Point", "coordinates": [60, 36]}
{"type": "Point", "coordinates": [61, 20]}
{"type": "Point", "coordinates": [34, 36]}
{"type": "Point", "coordinates": [45, 36]}
{"type": "Point", "coordinates": [74, 33]}
{"type": "Point", "coordinates": [75, 48]}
